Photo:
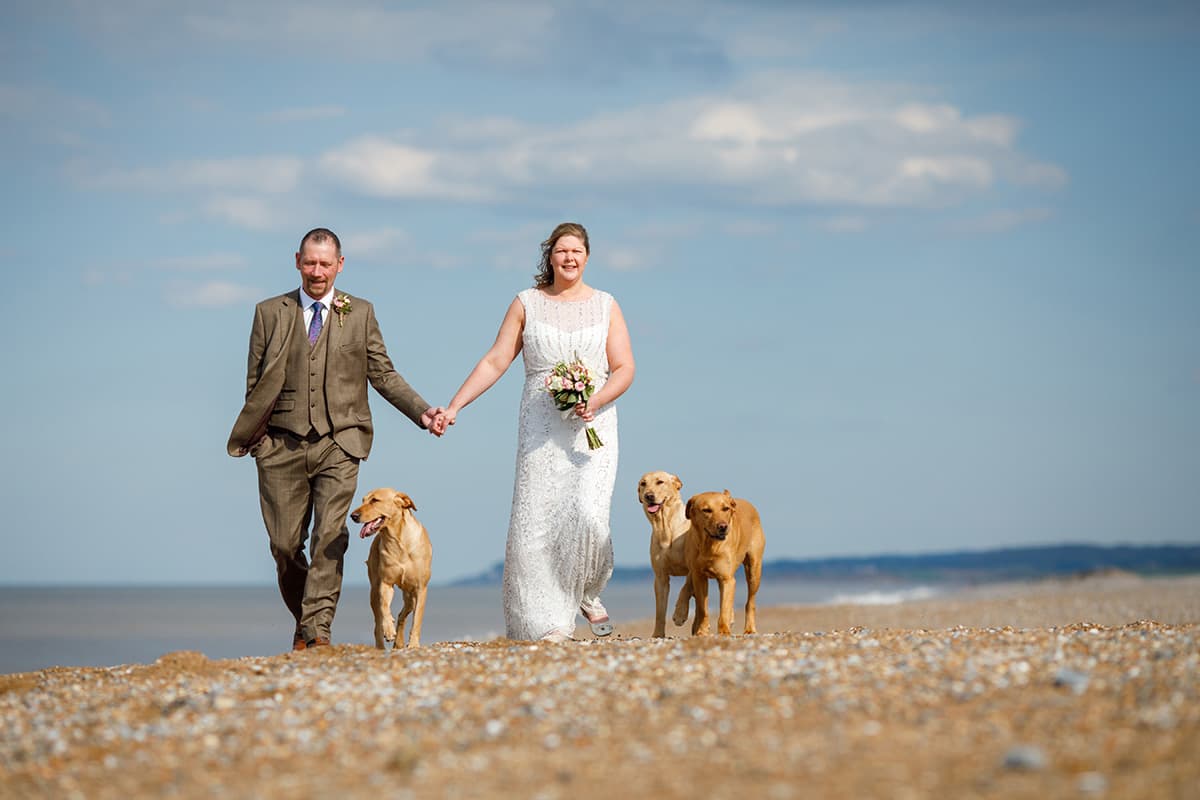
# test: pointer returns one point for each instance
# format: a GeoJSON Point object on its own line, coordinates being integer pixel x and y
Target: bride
{"type": "Point", "coordinates": [559, 553]}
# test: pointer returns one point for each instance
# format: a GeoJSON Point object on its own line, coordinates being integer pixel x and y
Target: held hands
{"type": "Point", "coordinates": [441, 420]}
{"type": "Point", "coordinates": [433, 420]}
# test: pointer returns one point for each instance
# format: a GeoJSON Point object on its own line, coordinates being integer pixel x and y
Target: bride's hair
{"type": "Point", "coordinates": [545, 274]}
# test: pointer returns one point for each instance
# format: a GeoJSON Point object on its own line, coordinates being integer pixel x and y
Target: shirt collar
{"type": "Point", "coordinates": [306, 301]}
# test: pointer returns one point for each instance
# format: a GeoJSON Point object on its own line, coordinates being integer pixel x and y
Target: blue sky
{"type": "Point", "coordinates": [910, 276]}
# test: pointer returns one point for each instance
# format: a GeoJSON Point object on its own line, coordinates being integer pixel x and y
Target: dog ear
{"type": "Point", "coordinates": [687, 512]}
{"type": "Point", "coordinates": [404, 501]}
{"type": "Point", "coordinates": [678, 483]}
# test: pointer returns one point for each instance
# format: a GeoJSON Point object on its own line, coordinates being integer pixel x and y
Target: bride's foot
{"type": "Point", "coordinates": [556, 635]}
{"type": "Point", "coordinates": [596, 615]}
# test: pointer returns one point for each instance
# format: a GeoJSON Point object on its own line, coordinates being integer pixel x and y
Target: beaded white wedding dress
{"type": "Point", "coordinates": [559, 550]}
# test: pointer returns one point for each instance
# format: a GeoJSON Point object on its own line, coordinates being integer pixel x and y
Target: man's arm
{"type": "Point", "coordinates": [258, 347]}
{"type": "Point", "coordinates": [384, 378]}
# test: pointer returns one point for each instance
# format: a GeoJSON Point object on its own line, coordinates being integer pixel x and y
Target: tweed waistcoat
{"type": "Point", "coordinates": [308, 364]}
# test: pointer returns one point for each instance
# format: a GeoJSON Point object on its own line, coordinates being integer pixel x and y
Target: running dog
{"type": "Point", "coordinates": [402, 556]}
{"type": "Point", "coordinates": [724, 532]}
{"type": "Point", "coordinates": [658, 493]}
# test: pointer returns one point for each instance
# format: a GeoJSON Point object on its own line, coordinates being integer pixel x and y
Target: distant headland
{"type": "Point", "coordinates": [960, 566]}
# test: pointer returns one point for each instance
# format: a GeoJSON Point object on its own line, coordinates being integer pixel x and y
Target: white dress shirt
{"type": "Point", "coordinates": [307, 302]}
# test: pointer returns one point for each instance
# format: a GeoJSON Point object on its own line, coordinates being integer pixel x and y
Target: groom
{"type": "Point", "coordinates": [307, 424]}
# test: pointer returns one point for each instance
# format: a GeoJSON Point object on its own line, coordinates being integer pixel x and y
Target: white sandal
{"type": "Point", "coordinates": [597, 616]}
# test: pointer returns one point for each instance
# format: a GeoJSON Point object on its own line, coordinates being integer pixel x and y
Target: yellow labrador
{"type": "Point", "coordinates": [401, 555]}
{"type": "Point", "coordinates": [724, 533]}
{"type": "Point", "coordinates": [658, 492]}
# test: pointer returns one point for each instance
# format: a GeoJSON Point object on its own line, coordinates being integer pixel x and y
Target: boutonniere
{"type": "Point", "coordinates": [341, 305]}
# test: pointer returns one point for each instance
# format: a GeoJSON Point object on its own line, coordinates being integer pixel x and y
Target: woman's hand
{"type": "Point", "coordinates": [441, 420]}
{"type": "Point", "coordinates": [584, 411]}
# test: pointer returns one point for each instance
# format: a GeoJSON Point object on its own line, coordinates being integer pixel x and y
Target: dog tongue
{"type": "Point", "coordinates": [654, 508]}
{"type": "Point", "coordinates": [370, 527]}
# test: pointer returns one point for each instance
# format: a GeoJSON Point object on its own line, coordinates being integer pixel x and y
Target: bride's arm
{"type": "Point", "coordinates": [620, 365]}
{"type": "Point", "coordinates": [494, 363]}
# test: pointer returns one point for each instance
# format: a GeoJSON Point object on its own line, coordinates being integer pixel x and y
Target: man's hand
{"type": "Point", "coordinates": [442, 421]}
{"type": "Point", "coordinates": [434, 420]}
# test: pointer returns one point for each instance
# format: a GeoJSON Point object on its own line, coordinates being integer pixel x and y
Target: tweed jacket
{"type": "Point", "coordinates": [355, 356]}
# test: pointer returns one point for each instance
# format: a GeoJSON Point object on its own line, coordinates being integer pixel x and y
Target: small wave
{"type": "Point", "coordinates": [881, 598]}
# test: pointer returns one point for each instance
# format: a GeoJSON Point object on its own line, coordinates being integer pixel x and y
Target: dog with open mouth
{"type": "Point", "coordinates": [725, 531]}
{"type": "Point", "coordinates": [401, 556]}
{"type": "Point", "coordinates": [658, 494]}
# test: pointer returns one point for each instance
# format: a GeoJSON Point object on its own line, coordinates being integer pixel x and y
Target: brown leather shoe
{"type": "Point", "coordinates": [320, 641]}
{"type": "Point", "coordinates": [298, 642]}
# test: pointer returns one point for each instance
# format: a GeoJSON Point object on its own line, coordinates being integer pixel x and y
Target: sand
{"type": "Point", "coordinates": [1056, 689]}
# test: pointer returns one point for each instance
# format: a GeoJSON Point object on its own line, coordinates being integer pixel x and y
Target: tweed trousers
{"type": "Point", "coordinates": [305, 480]}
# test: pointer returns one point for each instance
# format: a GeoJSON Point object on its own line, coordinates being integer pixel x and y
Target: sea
{"type": "Point", "coordinates": [79, 626]}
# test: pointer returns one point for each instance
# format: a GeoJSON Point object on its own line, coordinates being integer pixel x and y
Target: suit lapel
{"type": "Point", "coordinates": [288, 313]}
{"type": "Point", "coordinates": [335, 330]}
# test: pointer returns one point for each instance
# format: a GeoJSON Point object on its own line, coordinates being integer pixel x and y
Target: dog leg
{"type": "Point", "coordinates": [753, 571]}
{"type": "Point", "coordinates": [414, 636]}
{"type": "Point", "coordinates": [681, 605]}
{"type": "Point", "coordinates": [725, 619]}
{"type": "Point", "coordinates": [381, 605]}
{"type": "Point", "coordinates": [662, 593]}
{"type": "Point", "coordinates": [403, 615]}
{"type": "Point", "coordinates": [700, 625]}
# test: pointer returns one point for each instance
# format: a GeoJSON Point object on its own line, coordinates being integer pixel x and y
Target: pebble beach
{"type": "Point", "coordinates": [1063, 688]}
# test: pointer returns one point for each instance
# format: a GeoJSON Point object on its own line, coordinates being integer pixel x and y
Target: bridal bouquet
{"type": "Point", "coordinates": [570, 384]}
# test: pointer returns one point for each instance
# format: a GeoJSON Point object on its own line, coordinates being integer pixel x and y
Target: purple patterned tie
{"type": "Point", "coordinates": [314, 327]}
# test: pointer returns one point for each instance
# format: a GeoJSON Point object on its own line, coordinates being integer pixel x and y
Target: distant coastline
{"type": "Point", "coordinates": [959, 566]}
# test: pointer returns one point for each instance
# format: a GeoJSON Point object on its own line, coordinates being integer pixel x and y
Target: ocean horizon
{"type": "Point", "coordinates": [103, 626]}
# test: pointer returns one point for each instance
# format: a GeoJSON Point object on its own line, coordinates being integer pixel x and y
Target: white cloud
{"type": "Point", "coordinates": [947, 169]}
{"type": "Point", "coordinates": [384, 168]}
{"type": "Point", "coordinates": [843, 224]}
{"type": "Point", "coordinates": [514, 32]}
{"type": "Point", "coordinates": [997, 129]}
{"type": "Point", "coordinates": [38, 105]}
{"type": "Point", "coordinates": [382, 244]}
{"type": "Point", "coordinates": [1001, 221]}
{"type": "Point", "coordinates": [750, 227]}
{"type": "Point", "coordinates": [268, 174]}
{"type": "Point", "coordinates": [730, 122]}
{"type": "Point", "coordinates": [213, 294]}
{"type": "Point", "coordinates": [288, 116]}
{"type": "Point", "coordinates": [1047, 176]}
{"type": "Point", "coordinates": [96, 276]}
{"type": "Point", "coordinates": [626, 259]}
{"type": "Point", "coordinates": [779, 139]}
{"type": "Point", "coordinates": [49, 115]}
{"type": "Point", "coordinates": [251, 212]}
{"type": "Point", "coordinates": [201, 262]}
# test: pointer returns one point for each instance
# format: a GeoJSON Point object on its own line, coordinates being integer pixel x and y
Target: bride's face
{"type": "Point", "coordinates": [568, 258]}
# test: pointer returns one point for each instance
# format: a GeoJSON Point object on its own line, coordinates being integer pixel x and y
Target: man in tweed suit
{"type": "Point", "coordinates": [307, 424]}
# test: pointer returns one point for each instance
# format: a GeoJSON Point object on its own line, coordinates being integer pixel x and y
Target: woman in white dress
{"type": "Point", "coordinates": [558, 557]}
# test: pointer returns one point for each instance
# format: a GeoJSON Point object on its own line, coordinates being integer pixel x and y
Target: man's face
{"type": "Point", "coordinates": [319, 263]}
